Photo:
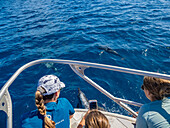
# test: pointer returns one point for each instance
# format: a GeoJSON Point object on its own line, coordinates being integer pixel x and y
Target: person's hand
{"type": "Point", "coordinates": [82, 122]}
{"type": "Point", "coordinates": [86, 114]}
{"type": "Point", "coordinates": [133, 115]}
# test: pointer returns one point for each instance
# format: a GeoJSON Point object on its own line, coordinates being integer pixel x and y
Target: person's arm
{"type": "Point", "coordinates": [69, 107]}
{"type": "Point", "coordinates": [71, 116]}
{"type": "Point", "coordinates": [141, 121]}
{"type": "Point", "coordinates": [82, 122]}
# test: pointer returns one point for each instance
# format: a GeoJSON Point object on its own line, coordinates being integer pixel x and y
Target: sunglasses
{"type": "Point", "coordinates": [142, 87]}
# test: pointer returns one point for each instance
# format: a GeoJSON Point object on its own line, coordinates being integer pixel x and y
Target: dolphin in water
{"type": "Point", "coordinates": [109, 50]}
{"type": "Point", "coordinates": [84, 102]}
{"type": "Point", "coordinates": [51, 65]}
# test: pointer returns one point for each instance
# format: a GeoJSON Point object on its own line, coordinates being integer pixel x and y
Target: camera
{"type": "Point", "coordinates": [93, 104]}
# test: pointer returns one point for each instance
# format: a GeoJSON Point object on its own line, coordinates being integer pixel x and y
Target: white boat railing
{"type": "Point", "coordinates": [78, 67]}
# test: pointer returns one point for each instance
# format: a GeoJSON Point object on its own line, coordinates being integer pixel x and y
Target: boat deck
{"type": "Point", "coordinates": [115, 120]}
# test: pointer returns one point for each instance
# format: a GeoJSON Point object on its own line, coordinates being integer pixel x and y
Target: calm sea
{"type": "Point", "coordinates": [138, 30]}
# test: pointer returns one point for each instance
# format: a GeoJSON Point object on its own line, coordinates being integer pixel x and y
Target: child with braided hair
{"type": "Point", "coordinates": [155, 114]}
{"type": "Point", "coordinates": [53, 112]}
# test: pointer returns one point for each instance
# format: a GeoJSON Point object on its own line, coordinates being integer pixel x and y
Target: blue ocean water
{"type": "Point", "coordinates": [139, 31]}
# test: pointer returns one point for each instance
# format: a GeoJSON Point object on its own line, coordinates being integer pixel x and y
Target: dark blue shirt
{"type": "Point", "coordinates": [59, 112]}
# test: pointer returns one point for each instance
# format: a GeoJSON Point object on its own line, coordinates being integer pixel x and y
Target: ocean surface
{"type": "Point", "coordinates": [137, 30]}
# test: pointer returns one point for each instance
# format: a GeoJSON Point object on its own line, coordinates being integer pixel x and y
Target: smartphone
{"type": "Point", "coordinates": [93, 104]}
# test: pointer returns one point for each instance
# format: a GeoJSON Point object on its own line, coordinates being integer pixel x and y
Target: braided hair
{"type": "Point", "coordinates": [39, 102]}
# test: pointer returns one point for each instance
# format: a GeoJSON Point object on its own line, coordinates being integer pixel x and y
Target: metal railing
{"type": "Point", "coordinates": [78, 67]}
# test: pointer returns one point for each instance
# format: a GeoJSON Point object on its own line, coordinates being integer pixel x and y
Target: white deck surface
{"type": "Point", "coordinates": [115, 120]}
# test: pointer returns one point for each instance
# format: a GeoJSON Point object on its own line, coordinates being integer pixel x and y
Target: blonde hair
{"type": "Point", "coordinates": [39, 102]}
{"type": "Point", "coordinates": [159, 88]}
{"type": "Point", "coordinates": [95, 119]}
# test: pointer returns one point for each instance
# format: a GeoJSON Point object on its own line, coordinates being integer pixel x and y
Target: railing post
{"type": "Point", "coordinates": [6, 106]}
